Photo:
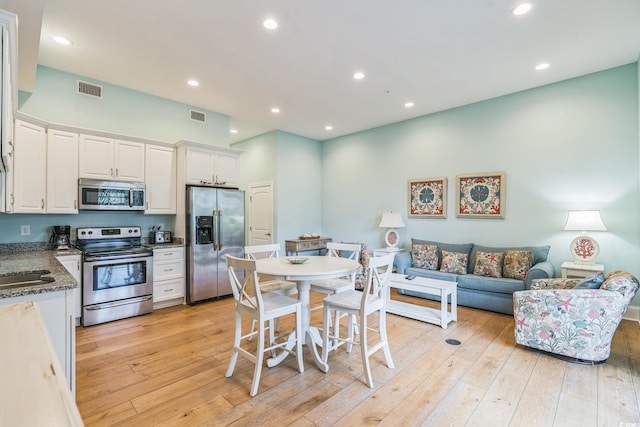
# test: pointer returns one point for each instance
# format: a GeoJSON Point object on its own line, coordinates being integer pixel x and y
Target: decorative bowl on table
{"type": "Point", "coordinates": [297, 259]}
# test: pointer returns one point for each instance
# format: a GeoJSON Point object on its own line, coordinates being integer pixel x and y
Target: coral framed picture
{"type": "Point", "coordinates": [428, 198]}
{"type": "Point", "coordinates": [481, 195]}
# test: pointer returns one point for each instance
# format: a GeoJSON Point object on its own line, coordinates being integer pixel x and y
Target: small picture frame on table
{"type": "Point", "coordinates": [428, 198]}
{"type": "Point", "coordinates": [480, 195]}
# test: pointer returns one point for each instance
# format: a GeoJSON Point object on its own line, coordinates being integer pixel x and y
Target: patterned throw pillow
{"type": "Point", "coordinates": [517, 264]}
{"type": "Point", "coordinates": [488, 264]}
{"type": "Point", "coordinates": [454, 262]}
{"type": "Point", "coordinates": [424, 256]}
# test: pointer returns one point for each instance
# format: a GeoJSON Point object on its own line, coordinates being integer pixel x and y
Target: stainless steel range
{"type": "Point", "coordinates": [117, 274]}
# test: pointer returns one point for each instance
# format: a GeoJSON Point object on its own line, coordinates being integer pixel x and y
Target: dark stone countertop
{"type": "Point", "coordinates": [34, 257]}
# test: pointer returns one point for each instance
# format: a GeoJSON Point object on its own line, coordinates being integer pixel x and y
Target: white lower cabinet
{"type": "Point", "coordinates": [168, 277]}
{"type": "Point", "coordinates": [72, 264]}
{"type": "Point", "coordinates": [57, 312]}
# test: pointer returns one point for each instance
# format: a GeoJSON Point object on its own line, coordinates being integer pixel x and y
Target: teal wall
{"type": "Point", "coordinates": [41, 225]}
{"type": "Point", "coordinates": [569, 145]}
{"type": "Point", "coordinates": [293, 164]}
{"type": "Point", "coordinates": [121, 110]}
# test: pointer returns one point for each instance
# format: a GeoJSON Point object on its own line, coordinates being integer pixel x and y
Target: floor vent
{"type": "Point", "coordinates": [198, 116]}
{"type": "Point", "coordinates": [89, 89]}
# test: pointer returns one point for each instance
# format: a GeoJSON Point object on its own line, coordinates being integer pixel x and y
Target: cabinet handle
{"type": "Point", "coordinates": [169, 290]}
{"type": "Point", "coordinates": [75, 204]}
{"type": "Point", "coordinates": [168, 270]}
{"type": "Point", "coordinates": [41, 203]}
{"type": "Point", "coordinates": [116, 172]}
{"type": "Point", "coordinates": [111, 173]}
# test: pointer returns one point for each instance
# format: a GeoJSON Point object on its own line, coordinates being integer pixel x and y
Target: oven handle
{"type": "Point", "coordinates": [118, 303]}
{"type": "Point", "coordinates": [130, 196]}
{"type": "Point", "coordinates": [110, 257]}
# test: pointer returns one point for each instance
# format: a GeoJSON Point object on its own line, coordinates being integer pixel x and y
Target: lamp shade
{"type": "Point", "coordinates": [584, 221]}
{"type": "Point", "coordinates": [391, 220]}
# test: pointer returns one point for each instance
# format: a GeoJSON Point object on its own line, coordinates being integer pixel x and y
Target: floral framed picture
{"type": "Point", "coordinates": [481, 195]}
{"type": "Point", "coordinates": [428, 198]}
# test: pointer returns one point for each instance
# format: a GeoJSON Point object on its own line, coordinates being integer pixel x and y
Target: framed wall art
{"type": "Point", "coordinates": [428, 198]}
{"type": "Point", "coordinates": [480, 195]}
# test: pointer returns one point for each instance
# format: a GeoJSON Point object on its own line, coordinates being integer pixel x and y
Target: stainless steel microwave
{"type": "Point", "coordinates": [97, 195]}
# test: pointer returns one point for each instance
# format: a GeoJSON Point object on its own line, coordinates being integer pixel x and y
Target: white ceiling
{"type": "Point", "coordinates": [437, 53]}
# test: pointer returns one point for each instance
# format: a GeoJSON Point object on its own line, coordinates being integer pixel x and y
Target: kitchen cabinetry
{"type": "Point", "coordinates": [160, 179]}
{"type": "Point", "coordinates": [168, 276]}
{"type": "Point", "coordinates": [72, 264]}
{"type": "Point", "coordinates": [28, 194]}
{"type": "Point", "coordinates": [57, 311]}
{"type": "Point", "coordinates": [207, 165]}
{"type": "Point", "coordinates": [111, 159]}
{"type": "Point", "coordinates": [62, 172]}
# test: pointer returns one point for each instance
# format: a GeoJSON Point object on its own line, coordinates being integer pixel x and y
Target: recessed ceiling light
{"type": "Point", "coordinates": [542, 66]}
{"type": "Point", "coordinates": [358, 76]}
{"type": "Point", "coordinates": [275, 110]}
{"type": "Point", "coordinates": [270, 24]}
{"type": "Point", "coordinates": [234, 131]}
{"type": "Point", "coordinates": [521, 9]}
{"type": "Point", "coordinates": [409, 104]}
{"type": "Point", "coordinates": [193, 83]}
{"type": "Point", "coordinates": [328, 127]}
{"type": "Point", "coordinates": [63, 40]}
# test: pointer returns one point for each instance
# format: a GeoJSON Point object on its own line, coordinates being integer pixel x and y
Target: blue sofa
{"type": "Point", "coordinates": [487, 293]}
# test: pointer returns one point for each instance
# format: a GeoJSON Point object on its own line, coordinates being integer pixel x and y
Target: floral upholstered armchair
{"type": "Point", "coordinates": [578, 324]}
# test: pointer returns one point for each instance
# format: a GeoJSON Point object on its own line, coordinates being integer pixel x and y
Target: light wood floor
{"type": "Point", "coordinates": [167, 368]}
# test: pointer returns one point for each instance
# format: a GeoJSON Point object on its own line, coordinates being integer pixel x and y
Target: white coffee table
{"type": "Point", "coordinates": [441, 288]}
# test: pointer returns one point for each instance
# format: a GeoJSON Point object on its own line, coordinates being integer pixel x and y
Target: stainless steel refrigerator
{"type": "Point", "coordinates": [215, 228]}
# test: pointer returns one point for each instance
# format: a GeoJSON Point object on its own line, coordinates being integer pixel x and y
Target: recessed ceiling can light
{"type": "Point", "coordinates": [62, 40]}
{"type": "Point", "coordinates": [275, 110]}
{"type": "Point", "coordinates": [542, 66]}
{"type": "Point", "coordinates": [234, 131]}
{"type": "Point", "coordinates": [358, 76]}
{"type": "Point", "coordinates": [521, 9]}
{"type": "Point", "coordinates": [409, 104]}
{"type": "Point", "coordinates": [193, 83]}
{"type": "Point", "coordinates": [270, 24]}
{"type": "Point", "coordinates": [328, 127]}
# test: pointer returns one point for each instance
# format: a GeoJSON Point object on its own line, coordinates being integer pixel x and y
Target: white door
{"type": "Point", "coordinates": [62, 172]}
{"type": "Point", "coordinates": [129, 161]}
{"type": "Point", "coordinates": [261, 213]}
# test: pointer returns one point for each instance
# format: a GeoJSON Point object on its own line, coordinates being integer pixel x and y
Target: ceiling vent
{"type": "Point", "coordinates": [89, 89]}
{"type": "Point", "coordinates": [198, 116]}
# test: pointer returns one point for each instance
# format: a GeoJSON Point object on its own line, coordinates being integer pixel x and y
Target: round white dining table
{"type": "Point", "coordinates": [315, 268]}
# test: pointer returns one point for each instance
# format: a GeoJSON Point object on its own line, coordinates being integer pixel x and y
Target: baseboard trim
{"type": "Point", "coordinates": [633, 313]}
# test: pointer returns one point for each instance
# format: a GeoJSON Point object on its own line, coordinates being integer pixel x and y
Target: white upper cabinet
{"type": "Point", "coordinates": [210, 166]}
{"type": "Point", "coordinates": [29, 168]}
{"type": "Point", "coordinates": [160, 179]}
{"type": "Point", "coordinates": [62, 172]}
{"type": "Point", "coordinates": [111, 159]}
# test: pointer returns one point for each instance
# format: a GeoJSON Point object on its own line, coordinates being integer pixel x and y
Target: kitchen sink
{"type": "Point", "coordinates": [19, 280]}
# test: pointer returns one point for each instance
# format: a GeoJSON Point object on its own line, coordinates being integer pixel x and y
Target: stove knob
{"type": "Point", "coordinates": [83, 233]}
{"type": "Point", "coordinates": [90, 231]}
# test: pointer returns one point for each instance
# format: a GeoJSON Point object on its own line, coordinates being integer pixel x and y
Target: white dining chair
{"type": "Point", "coordinates": [282, 287]}
{"type": "Point", "coordinates": [340, 284]}
{"type": "Point", "coordinates": [360, 305]}
{"type": "Point", "coordinates": [261, 309]}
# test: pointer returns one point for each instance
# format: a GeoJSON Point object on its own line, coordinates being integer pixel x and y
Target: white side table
{"type": "Point", "coordinates": [573, 269]}
{"type": "Point", "coordinates": [385, 251]}
{"type": "Point", "coordinates": [443, 289]}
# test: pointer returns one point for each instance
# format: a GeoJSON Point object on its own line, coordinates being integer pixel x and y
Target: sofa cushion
{"type": "Point", "coordinates": [464, 248]}
{"type": "Point", "coordinates": [454, 262]}
{"type": "Point", "coordinates": [488, 264]}
{"type": "Point", "coordinates": [591, 282]}
{"type": "Point", "coordinates": [490, 284]}
{"type": "Point", "coordinates": [424, 256]}
{"type": "Point", "coordinates": [540, 253]}
{"type": "Point", "coordinates": [516, 264]}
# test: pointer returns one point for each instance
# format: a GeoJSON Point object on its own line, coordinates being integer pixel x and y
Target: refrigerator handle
{"type": "Point", "coordinates": [219, 229]}
{"type": "Point", "coordinates": [215, 230]}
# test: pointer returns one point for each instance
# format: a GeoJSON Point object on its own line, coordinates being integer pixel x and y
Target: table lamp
{"type": "Point", "coordinates": [584, 248]}
{"type": "Point", "coordinates": [391, 220]}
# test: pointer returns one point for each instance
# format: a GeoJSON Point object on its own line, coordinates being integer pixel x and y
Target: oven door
{"type": "Point", "coordinates": [108, 280]}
